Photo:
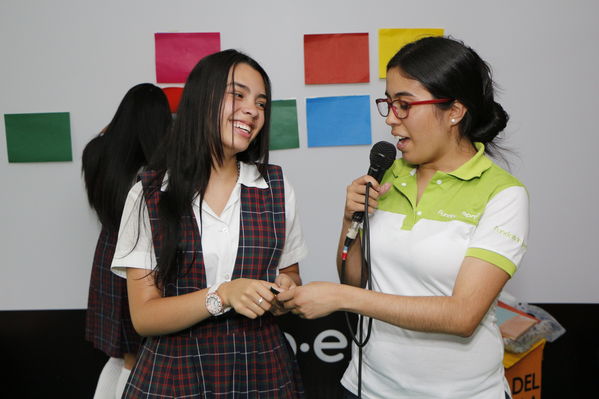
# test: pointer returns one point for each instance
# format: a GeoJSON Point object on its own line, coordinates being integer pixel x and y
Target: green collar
{"type": "Point", "coordinates": [475, 166]}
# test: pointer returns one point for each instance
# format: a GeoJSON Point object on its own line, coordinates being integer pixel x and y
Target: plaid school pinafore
{"type": "Point", "coordinates": [107, 320]}
{"type": "Point", "coordinates": [229, 356]}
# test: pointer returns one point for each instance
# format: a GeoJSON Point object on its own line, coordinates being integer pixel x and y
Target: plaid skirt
{"type": "Point", "coordinates": [225, 357]}
{"type": "Point", "coordinates": [108, 322]}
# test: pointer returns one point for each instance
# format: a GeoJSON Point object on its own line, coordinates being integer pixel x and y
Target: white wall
{"type": "Point", "coordinates": [82, 56]}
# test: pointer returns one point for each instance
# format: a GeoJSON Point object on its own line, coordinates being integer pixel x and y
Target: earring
{"type": "Point", "coordinates": [453, 120]}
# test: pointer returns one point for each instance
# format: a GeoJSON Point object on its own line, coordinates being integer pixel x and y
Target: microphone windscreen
{"type": "Point", "coordinates": [382, 155]}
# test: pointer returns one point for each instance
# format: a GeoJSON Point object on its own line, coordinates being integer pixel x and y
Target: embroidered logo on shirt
{"type": "Point", "coordinates": [470, 215]}
{"type": "Point", "coordinates": [445, 215]}
{"type": "Point", "coordinates": [511, 236]}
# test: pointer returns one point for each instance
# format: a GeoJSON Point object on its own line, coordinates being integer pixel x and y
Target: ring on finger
{"type": "Point", "coordinates": [260, 301]}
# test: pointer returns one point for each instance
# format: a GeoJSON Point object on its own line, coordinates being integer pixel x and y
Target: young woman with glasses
{"type": "Point", "coordinates": [450, 229]}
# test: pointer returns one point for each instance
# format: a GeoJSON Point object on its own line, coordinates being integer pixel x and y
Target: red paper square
{"type": "Point", "coordinates": [336, 58]}
{"type": "Point", "coordinates": [173, 95]}
{"type": "Point", "coordinates": [178, 53]}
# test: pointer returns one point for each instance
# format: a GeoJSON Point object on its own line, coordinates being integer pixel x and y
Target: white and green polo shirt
{"type": "Point", "coordinates": [478, 210]}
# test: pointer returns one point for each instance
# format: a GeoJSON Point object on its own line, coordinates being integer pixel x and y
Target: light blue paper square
{"type": "Point", "coordinates": [335, 121]}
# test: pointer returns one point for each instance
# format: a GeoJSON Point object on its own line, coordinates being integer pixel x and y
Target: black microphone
{"type": "Point", "coordinates": [382, 156]}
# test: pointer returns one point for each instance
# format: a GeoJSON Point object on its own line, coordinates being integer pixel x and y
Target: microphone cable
{"type": "Point", "coordinates": [365, 249]}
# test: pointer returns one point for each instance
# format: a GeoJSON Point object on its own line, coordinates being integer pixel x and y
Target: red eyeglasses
{"type": "Point", "coordinates": [402, 108]}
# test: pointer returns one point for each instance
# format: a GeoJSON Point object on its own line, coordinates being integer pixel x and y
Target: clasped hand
{"type": "Point", "coordinates": [252, 298]}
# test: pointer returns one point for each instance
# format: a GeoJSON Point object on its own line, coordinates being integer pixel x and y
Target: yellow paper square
{"type": "Point", "coordinates": [391, 40]}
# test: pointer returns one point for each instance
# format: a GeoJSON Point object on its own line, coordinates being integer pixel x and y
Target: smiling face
{"type": "Point", "coordinates": [425, 136]}
{"type": "Point", "coordinates": [243, 109]}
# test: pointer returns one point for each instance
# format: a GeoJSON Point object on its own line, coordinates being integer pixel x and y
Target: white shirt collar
{"type": "Point", "coordinates": [249, 176]}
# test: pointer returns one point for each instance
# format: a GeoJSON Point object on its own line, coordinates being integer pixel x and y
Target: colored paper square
{"type": "Point", "coordinates": [392, 40]}
{"type": "Point", "coordinates": [336, 58]}
{"type": "Point", "coordinates": [336, 121]}
{"type": "Point", "coordinates": [283, 125]}
{"type": "Point", "coordinates": [173, 95]}
{"type": "Point", "coordinates": [178, 53]}
{"type": "Point", "coordinates": [38, 137]}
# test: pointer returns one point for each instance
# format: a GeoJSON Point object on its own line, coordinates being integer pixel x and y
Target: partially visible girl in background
{"type": "Point", "coordinates": [111, 162]}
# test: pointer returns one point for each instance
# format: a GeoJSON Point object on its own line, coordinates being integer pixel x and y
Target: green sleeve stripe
{"type": "Point", "coordinates": [493, 257]}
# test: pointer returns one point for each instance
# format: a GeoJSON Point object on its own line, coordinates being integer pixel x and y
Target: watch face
{"type": "Point", "coordinates": [214, 304]}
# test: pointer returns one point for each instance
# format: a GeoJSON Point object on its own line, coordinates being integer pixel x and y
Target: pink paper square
{"type": "Point", "coordinates": [178, 53]}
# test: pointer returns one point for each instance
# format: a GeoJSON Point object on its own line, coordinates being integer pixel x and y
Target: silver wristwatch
{"type": "Point", "coordinates": [214, 304]}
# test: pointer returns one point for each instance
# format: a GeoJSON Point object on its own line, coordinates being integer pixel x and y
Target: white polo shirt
{"type": "Point", "coordinates": [220, 233]}
{"type": "Point", "coordinates": [417, 249]}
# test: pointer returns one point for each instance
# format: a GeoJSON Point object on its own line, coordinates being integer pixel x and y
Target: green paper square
{"type": "Point", "coordinates": [283, 125]}
{"type": "Point", "coordinates": [38, 137]}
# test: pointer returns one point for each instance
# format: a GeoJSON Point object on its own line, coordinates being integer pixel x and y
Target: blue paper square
{"type": "Point", "coordinates": [343, 120]}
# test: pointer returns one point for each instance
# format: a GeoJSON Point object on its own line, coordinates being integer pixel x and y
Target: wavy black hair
{"type": "Point", "coordinates": [448, 68]}
{"type": "Point", "coordinates": [112, 159]}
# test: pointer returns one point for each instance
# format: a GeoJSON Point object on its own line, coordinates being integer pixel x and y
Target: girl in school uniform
{"type": "Point", "coordinates": [111, 162]}
{"type": "Point", "coordinates": [205, 235]}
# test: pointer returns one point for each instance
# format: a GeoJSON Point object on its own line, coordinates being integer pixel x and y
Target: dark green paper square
{"type": "Point", "coordinates": [283, 125]}
{"type": "Point", "coordinates": [43, 137]}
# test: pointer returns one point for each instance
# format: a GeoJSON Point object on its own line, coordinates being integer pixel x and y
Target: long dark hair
{"type": "Point", "coordinates": [449, 69]}
{"type": "Point", "coordinates": [194, 146]}
{"type": "Point", "coordinates": [112, 159]}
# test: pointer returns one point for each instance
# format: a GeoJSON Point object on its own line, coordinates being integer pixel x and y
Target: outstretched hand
{"type": "Point", "coordinates": [313, 300]}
